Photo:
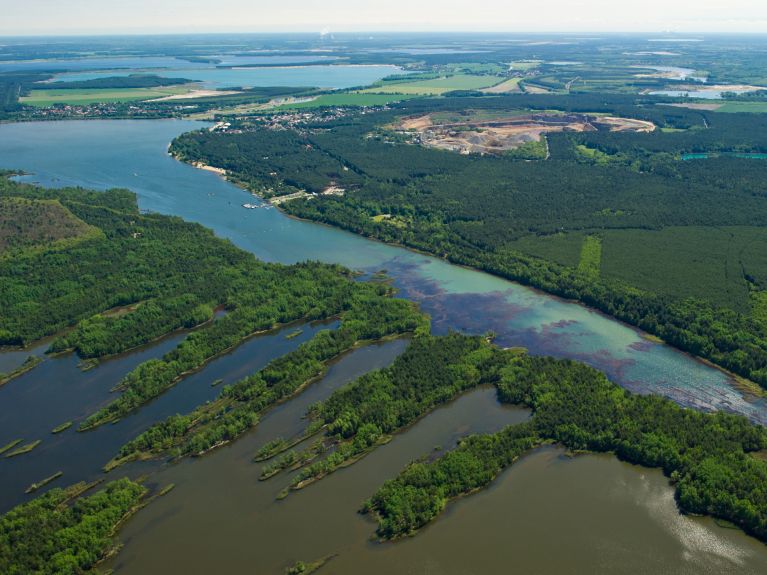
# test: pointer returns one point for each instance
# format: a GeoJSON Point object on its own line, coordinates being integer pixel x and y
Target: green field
{"type": "Point", "coordinates": [750, 107]}
{"type": "Point", "coordinates": [44, 98]}
{"type": "Point", "coordinates": [437, 86]}
{"type": "Point", "coordinates": [348, 99]}
{"type": "Point", "coordinates": [510, 85]}
{"type": "Point", "coordinates": [591, 257]}
{"type": "Point", "coordinates": [525, 65]}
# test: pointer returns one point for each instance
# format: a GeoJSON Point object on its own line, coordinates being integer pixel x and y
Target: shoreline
{"type": "Point", "coordinates": [735, 381]}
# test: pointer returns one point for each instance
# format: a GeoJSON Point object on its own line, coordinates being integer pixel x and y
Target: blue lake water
{"type": "Point", "coordinates": [128, 62]}
{"type": "Point", "coordinates": [320, 76]}
{"type": "Point", "coordinates": [132, 154]}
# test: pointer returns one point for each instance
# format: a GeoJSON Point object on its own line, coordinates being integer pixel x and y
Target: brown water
{"type": "Point", "coordinates": [548, 514]}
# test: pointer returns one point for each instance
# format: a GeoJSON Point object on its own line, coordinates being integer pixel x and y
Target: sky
{"type": "Point", "coordinates": [178, 16]}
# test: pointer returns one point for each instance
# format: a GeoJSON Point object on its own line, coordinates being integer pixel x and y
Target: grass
{"type": "Point", "coordinates": [23, 449]}
{"type": "Point", "coordinates": [590, 262]}
{"type": "Point", "coordinates": [10, 445]}
{"type": "Point", "coordinates": [510, 85]}
{"type": "Point", "coordinates": [347, 99]}
{"type": "Point", "coordinates": [85, 96]}
{"type": "Point", "coordinates": [436, 86]}
{"type": "Point", "coordinates": [62, 427]}
{"type": "Point", "coordinates": [30, 363]}
{"type": "Point", "coordinates": [42, 483]}
{"type": "Point", "coordinates": [525, 65]}
{"type": "Point", "coordinates": [748, 107]}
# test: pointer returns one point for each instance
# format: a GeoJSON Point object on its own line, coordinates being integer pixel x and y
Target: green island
{"type": "Point", "coordinates": [30, 363]}
{"type": "Point", "coordinates": [141, 276]}
{"type": "Point", "coordinates": [607, 219]}
{"type": "Point", "coordinates": [63, 427]}
{"type": "Point", "coordinates": [63, 531]}
{"type": "Point", "coordinates": [10, 445]}
{"type": "Point", "coordinates": [371, 316]}
{"type": "Point", "coordinates": [26, 448]}
{"type": "Point", "coordinates": [712, 459]}
{"type": "Point", "coordinates": [37, 485]}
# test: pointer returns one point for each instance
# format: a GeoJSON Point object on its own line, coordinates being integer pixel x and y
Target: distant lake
{"type": "Point", "coordinates": [131, 62]}
{"type": "Point", "coordinates": [710, 94]}
{"type": "Point", "coordinates": [321, 76]}
{"type": "Point", "coordinates": [680, 73]}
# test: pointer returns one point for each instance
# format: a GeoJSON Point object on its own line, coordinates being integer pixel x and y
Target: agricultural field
{"type": "Point", "coordinates": [743, 107]}
{"type": "Point", "coordinates": [346, 99]}
{"type": "Point", "coordinates": [510, 86]}
{"type": "Point", "coordinates": [85, 96]}
{"type": "Point", "coordinates": [436, 86]}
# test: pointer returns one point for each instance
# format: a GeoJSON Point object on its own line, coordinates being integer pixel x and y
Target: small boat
{"type": "Point", "coordinates": [250, 206]}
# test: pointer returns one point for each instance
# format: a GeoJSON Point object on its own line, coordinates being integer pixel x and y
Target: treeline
{"type": "Point", "coordinates": [367, 314]}
{"type": "Point", "coordinates": [60, 533]}
{"type": "Point", "coordinates": [431, 371]}
{"type": "Point", "coordinates": [709, 457]}
{"type": "Point", "coordinates": [130, 81]}
{"type": "Point", "coordinates": [733, 340]}
{"type": "Point", "coordinates": [303, 291]}
{"type": "Point", "coordinates": [13, 85]}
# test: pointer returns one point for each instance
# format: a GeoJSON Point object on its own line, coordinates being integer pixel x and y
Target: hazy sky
{"type": "Point", "coordinates": [136, 16]}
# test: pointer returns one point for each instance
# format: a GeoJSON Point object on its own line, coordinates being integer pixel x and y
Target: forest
{"type": "Point", "coordinates": [64, 531]}
{"type": "Point", "coordinates": [370, 315]}
{"type": "Point", "coordinates": [145, 275]}
{"type": "Point", "coordinates": [710, 458]}
{"type": "Point", "coordinates": [527, 220]}
{"type": "Point", "coordinates": [130, 81]}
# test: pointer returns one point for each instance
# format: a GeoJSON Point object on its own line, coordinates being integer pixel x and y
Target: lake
{"type": "Point", "coordinates": [319, 76]}
{"type": "Point", "coordinates": [545, 514]}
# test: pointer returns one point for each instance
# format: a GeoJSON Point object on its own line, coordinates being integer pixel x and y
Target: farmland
{"type": "Point", "coordinates": [84, 96]}
{"type": "Point", "coordinates": [346, 99]}
{"type": "Point", "coordinates": [436, 86]}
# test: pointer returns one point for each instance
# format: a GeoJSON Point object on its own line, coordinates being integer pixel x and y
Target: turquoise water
{"type": "Point", "coordinates": [132, 154]}
{"type": "Point", "coordinates": [321, 76]}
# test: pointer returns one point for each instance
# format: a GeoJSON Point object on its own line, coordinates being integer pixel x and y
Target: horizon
{"type": "Point", "coordinates": [93, 18]}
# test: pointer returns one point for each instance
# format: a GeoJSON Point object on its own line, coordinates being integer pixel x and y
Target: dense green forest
{"type": "Point", "coordinates": [708, 457]}
{"type": "Point", "coordinates": [367, 314]}
{"type": "Point", "coordinates": [144, 275]}
{"type": "Point", "coordinates": [130, 81]}
{"type": "Point", "coordinates": [364, 414]}
{"type": "Point", "coordinates": [63, 532]}
{"type": "Point", "coordinates": [528, 220]}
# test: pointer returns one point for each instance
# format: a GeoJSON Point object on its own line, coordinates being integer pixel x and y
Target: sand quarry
{"type": "Point", "coordinates": [500, 134]}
